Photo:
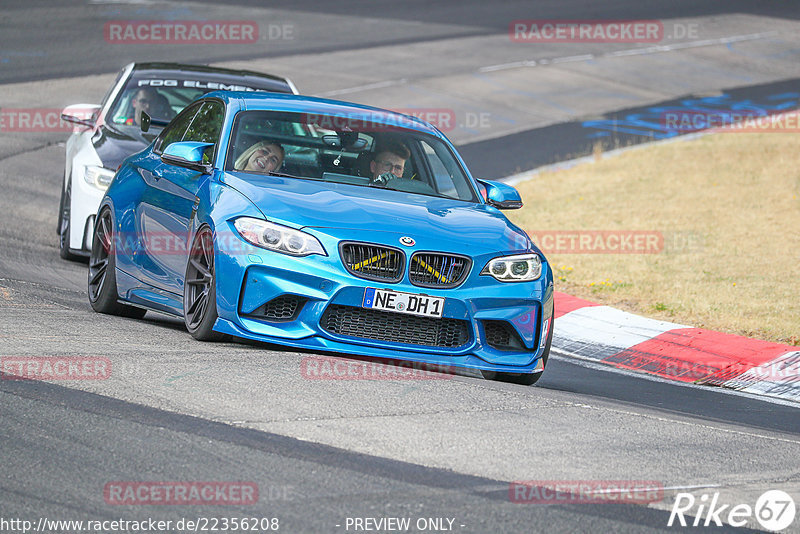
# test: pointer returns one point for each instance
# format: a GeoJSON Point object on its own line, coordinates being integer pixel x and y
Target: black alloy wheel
{"type": "Point", "coordinates": [526, 379]}
{"type": "Point", "coordinates": [199, 290]}
{"type": "Point", "coordinates": [63, 225]}
{"type": "Point", "coordinates": [102, 285]}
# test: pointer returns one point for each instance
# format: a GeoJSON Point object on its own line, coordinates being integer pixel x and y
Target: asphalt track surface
{"type": "Point", "coordinates": [321, 452]}
{"type": "Point", "coordinates": [503, 156]}
{"type": "Point", "coordinates": [325, 27]}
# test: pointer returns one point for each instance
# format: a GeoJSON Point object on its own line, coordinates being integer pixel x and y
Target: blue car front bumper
{"type": "Point", "coordinates": [314, 303]}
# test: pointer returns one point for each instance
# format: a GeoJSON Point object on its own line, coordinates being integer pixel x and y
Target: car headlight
{"type": "Point", "coordinates": [100, 177]}
{"type": "Point", "coordinates": [277, 237]}
{"type": "Point", "coordinates": [518, 268]}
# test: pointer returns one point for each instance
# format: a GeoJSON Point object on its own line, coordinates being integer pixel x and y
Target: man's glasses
{"type": "Point", "coordinates": [397, 170]}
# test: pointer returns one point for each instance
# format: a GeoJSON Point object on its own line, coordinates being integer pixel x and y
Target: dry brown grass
{"type": "Point", "coordinates": [728, 206]}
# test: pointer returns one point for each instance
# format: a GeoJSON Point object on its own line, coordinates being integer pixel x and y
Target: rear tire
{"type": "Point", "coordinates": [102, 281]}
{"type": "Point", "coordinates": [64, 211]}
{"type": "Point", "coordinates": [200, 289]}
{"type": "Point", "coordinates": [527, 379]}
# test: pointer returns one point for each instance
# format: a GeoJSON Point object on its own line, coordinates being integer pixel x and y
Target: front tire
{"type": "Point", "coordinates": [200, 289]}
{"type": "Point", "coordinates": [102, 286]}
{"type": "Point", "coordinates": [64, 212]}
{"type": "Point", "coordinates": [527, 379]}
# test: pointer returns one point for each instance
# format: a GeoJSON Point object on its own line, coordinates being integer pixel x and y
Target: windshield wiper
{"type": "Point", "coordinates": [284, 175]}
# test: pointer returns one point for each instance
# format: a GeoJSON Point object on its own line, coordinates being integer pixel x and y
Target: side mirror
{"type": "Point", "coordinates": [501, 196]}
{"type": "Point", "coordinates": [187, 154]}
{"type": "Point", "coordinates": [81, 114]}
{"type": "Point", "coordinates": [144, 121]}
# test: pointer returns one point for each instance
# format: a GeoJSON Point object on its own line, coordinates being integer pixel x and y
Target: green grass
{"type": "Point", "coordinates": [728, 208]}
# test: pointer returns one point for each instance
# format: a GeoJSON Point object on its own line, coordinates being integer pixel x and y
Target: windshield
{"type": "Point", "coordinates": [161, 99]}
{"type": "Point", "coordinates": [334, 149]}
{"type": "Point", "coordinates": [164, 95]}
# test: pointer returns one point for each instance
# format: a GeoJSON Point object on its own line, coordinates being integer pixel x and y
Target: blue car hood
{"type": "Point", "coordinates": [459, 225]}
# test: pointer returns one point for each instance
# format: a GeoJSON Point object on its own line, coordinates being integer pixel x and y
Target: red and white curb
{"type": "Point", "coordinates": [671, 351]}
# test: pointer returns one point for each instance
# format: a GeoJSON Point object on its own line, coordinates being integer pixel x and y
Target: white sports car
{"type": "Point", "coordinates": [106, 134]}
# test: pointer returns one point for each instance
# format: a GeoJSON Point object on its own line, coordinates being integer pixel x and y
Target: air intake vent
{"type": "Point", "coordinates": [279, 309]}
{"type": "Point", "coordinates": [429, 269]}
{"type": "Point", "coordinates": [395, 327]}
{"type": "Point", "coordinates": [502, 336]}
{"type": "Point", "coordinates": [373, 262]}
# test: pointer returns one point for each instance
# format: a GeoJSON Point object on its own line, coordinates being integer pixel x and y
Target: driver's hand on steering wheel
{"type": "Point", "coordinates": [383, 179]}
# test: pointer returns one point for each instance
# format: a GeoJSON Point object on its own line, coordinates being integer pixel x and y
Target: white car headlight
{"type": "Point", "coordinates": [277, 237]}
{"type": "Point", "coordinates": [518, 268]}
{"type": "Point", "coordinates": [99, 177]}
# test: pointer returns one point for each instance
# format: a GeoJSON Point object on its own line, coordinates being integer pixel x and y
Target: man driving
{"type": "Point", "coordinates": [143, 100]}
{"type": "Point", "coordinates": [389, 162]}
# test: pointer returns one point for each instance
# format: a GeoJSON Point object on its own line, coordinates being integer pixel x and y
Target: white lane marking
{"type": "Point", "coordinates": [692, 44]}
{"type": "Point", "coordinates": [524, 176]}
{"type": "Point", "coordinates": [491, 488]}
{"type": "Point", "coordinates": [694, 486]}
{"type": "Point", "coordinates": [504, 66]}
{"type": "Point", "coordinates": [632, 52]}
{"type": "Point", "coordinates": [569, 59]}
{"type": "Point", "coordinates": [637, 51]}
{"type": "Point", "coordinates": [565, 59]}
{"type": "Point", "coordinates": [376, 85]}
{"type": "Point", "coordinates": [691, 423]}
{"type": "Point", "coordinates": [664, 488]}
{"type": "Point", "coordinates": [595, 365]}
{"type": "Point", "coordinates": [707, 427]}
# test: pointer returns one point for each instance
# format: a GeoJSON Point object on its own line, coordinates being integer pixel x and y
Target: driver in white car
{"type": "Point", "coordinates": [151, 102]}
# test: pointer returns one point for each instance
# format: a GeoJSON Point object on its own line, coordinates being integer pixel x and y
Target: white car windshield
{"type": "Point", "coordinates": [161, 99]}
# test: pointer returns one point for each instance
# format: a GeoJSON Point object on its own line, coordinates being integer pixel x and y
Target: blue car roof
{"type": "Point", "coordinates": [321, 106]}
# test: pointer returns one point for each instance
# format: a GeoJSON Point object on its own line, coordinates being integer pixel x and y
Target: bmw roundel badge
{"type": "Point", "coordinates": [407, 241]}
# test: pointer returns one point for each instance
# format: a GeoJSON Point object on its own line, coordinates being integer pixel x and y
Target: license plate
{"type": "Point", "coordinates": [397, 301]}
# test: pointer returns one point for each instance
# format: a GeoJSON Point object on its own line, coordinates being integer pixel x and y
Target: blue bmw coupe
{"type": "Point", "coordinates": [327, 226]}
